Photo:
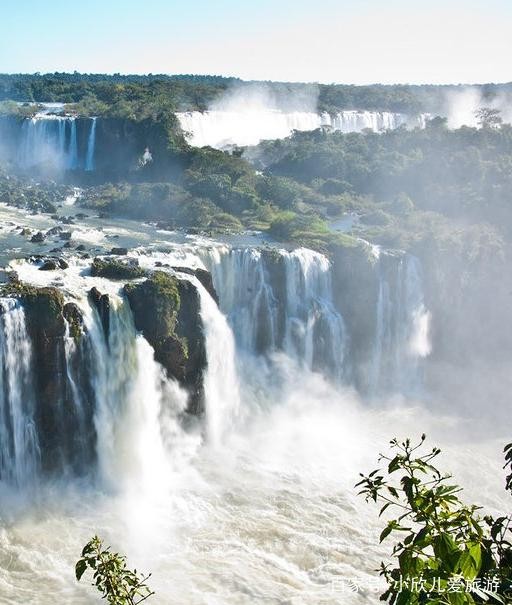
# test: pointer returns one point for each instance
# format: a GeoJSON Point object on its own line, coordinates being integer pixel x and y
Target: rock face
{"type": "Point", "coordinates": [102, 304]}
{"type": "Point", "coordinates": [56, 415]}
{"type": "Point", "coordinates": [167, 311]}
{"type": "Point", "coordinates": [204, 277]}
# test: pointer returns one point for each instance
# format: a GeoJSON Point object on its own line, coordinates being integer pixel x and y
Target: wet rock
{"type": "Point", "coordinates": [119, 251]}
{"type": "Point", "coordinates": [102, 304]}
{"type": "Point", "coordinates": [204, 277]}
{"type": "Point", "coordinates": [80, 247]}
{"type": "Point", "coordinates": [65, 235]}
{"type": "Point", "coordinates": [50, 264]}
{"type": "Point", "coordinates": [75, 319]}
{"type": "Point", "coordinates": [26, 232]}
{"type": "Point", "coordinates": [54, 231]}
{"type": "Point", "coordinates": [117, 269]}
{"type": "Point", "coordinates": [38, 238]}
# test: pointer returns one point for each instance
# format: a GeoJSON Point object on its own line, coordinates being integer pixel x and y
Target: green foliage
{"type": "Point", "coordinates": [115, 269]}
{"type": "Point", "coordinates": [117, 584]}
{"type": "Point", "coordinates": [446, 554]}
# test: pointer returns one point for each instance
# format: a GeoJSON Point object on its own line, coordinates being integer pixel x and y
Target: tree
{"type": "Point", "coordinates": [488, 117]}
{"type": "Point", "coordinates": [448, 554]}
{"type": "Point", "coordinates": [117, 584]}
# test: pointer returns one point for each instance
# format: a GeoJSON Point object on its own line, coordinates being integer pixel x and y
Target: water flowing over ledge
{"type": "Point", "coordinates": [96, 396]}
{"type": "Point", "coordinates": [223, 129]}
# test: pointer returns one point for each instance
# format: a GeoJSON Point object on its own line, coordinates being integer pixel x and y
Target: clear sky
{"type": "Point", "coordinates": [349, 41]}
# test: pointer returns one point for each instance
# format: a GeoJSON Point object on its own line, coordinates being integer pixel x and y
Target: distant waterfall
{"type": "Point", "coordinates": [54, 142]}
{"type": "Point", "coordinates": [222, 129]}
{"type": "Point", "coordinates": [19, 448]}
{"type": "Point", "coordinates": [91, 143]}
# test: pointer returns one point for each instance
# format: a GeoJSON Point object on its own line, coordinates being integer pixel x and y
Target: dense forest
{"type": "Point", "coordinates": [128, 95]}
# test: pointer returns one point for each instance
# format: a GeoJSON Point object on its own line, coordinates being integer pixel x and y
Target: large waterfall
{"type": "Point", "coordinates": [222, 129]}
{"type": "Point", "coordinates": [303, 357]}
{"type": "Point", "coordinates": [56, 142]}
{"type": "Point", "coordinates": [106, 393]}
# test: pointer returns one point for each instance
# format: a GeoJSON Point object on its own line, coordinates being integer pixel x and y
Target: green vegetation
{"type": "Point", "coordinates": [118, 94]}
{"type": "Point", "coordinates": [117, 584]}
{"type": "Point", "coordinates": [162, 290]}
{"type": "Point", "coordinates": [115, 269]}
{"type": "Point", "coordinates": [447, 554]}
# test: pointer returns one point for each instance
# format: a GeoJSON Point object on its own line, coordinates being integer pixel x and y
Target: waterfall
{"type": "Point", "coordinates": [53, 141]}
{"type": "Point", "coordinates": [127, 385]}
{"type": "Point", "coordinates": [402, 327]}
{"type": "Point", "coordinates": [101, 400]}
{"type": "Point", "coordinates": [19, 448]}
{"type": "Point", "coordinates": [222, 391]}
{"type": "Point", "coordinates": [91, 142]}
{"type": "Point", "coordinates": [277, 300]}
{"type": "Point", "coordinates": [222, 129]}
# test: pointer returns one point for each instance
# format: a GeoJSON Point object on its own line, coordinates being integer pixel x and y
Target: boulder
{"type": "Point", "coordinates": [38, 237]}
{"type": "Point", "coordinates": [119, 251]}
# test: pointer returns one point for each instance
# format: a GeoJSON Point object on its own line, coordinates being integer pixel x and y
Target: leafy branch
{"type": "Point", "coordinates": [117, 584]}
{"type": "Point", "coordinates": [441, 540]}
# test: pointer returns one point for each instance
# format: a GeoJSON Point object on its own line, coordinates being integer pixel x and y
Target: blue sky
{"type": "Point", "coordinates": [358, 42]}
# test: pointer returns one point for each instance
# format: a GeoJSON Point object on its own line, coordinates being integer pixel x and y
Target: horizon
{"type": "Point", "coordinates": [231, 77]}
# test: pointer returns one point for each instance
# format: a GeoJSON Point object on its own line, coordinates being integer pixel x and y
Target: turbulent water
{"type": "Point", "coordinates": [254, 504]}
{"type": "Point", "coordinates": [223, 129]}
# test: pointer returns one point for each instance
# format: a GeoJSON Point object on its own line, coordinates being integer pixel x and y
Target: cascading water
{"type": "Point", "coordinates": [53, 141]}
{"type": "Point", "coordinates": [222, 391]}
{"type": "Point", "coordinates": [279, 300]}
{"type": "Point", "coordinates": [221, 129]}
{"type": "Point", "coordinates": [19, 447]}
{"type": "Point", "coordinates": [402, 327]}
{"type": "Point", "coordinates": [127, 394]}
{"type": "Point", "coordinates": [91, 147]}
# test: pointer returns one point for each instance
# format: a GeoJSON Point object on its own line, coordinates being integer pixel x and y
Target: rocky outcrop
{"type": "Point", "coordinates": [205, 277]}
{"type": "Point", "coordinates": [167, 311]}
{"type": "Point", "coordinates": [102, 304]}
{"type": "Point", "coordinates": [56, 415]}
{"type": "Point", "coordinates": [117, 269]}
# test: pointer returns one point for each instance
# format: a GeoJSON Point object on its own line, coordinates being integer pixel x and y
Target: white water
{"type": "Point", "coordinates": [19, 449]}
{"type": "Point", "coordinates": [221, 129]}
{"type": "Point", "coordinates": [263, 510]}
{"type": "Point", "coordinates": [222, 390]}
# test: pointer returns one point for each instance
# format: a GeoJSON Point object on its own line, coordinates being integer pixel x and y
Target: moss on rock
{"type": "Point", "coordinates": [116, 269]}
